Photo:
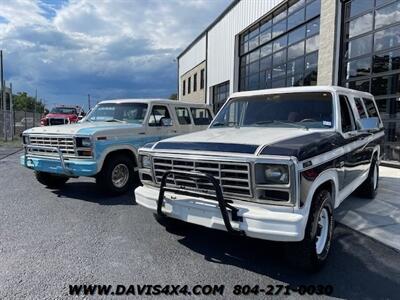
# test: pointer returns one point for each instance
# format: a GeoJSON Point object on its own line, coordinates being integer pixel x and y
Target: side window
{"type": "Point", "coordinates": [371, 108]}
{"type": "Point", "coordinates": [183, 115]}
{"type": "Point", "coordinates": [158, 113]}
{"type": "Point", "coordinates": [346, 114]}
{"type": "Point", "coordinates": [360, 108]}
{"type": "Point", "coordinates": [201, 116]}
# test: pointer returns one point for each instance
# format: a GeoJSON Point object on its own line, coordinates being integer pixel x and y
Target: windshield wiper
{"type": "Point", "coordinates": [115, 120]}
{"type": "Point", "coordinates": [280, 122]}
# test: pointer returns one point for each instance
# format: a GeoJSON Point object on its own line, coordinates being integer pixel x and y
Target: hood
{"type": "Point", "coordinates": [85, 128]}
{"type": "Point", "coordinates": [63, 116]}
{"type": "Point", "coordinates": [244, 135]}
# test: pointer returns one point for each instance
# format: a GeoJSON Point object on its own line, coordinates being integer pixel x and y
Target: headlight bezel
{"type": "Point", "coordinates": [83, 142]}
{"type": "Point", "coordinates": [25, 139]}
{"type": "Point", "coordinates": [145, 161]}
{"type": "Point", "coordinates": [279, 174]}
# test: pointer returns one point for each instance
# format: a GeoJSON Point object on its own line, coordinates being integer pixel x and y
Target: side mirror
{"type": "Point", "coordinates": [369, 123]}
{"type": "Point", "coordinates": [165, 121]}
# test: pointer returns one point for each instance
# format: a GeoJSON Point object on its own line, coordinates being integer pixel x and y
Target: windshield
{"type": "Point", "coordinates": [303, 110]}
{"type": "Point", "coordinates": [64, 110]}
{"type": "Point", "coordinates": [118, 112]}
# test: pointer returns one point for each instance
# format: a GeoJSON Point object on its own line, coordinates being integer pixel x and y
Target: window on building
{"type": "Point", "coordinates": [370, 59]}
{"type": "Point", "coordinates": [158, 113]}
{"type": "Point", "coordinates": [183, 115]}
{"type": "Point", "coordinates": [195, 82]}
{"type": "Point", "coordinates": [220, 95]}
{"type": "Point", "coordinates": [282, 49]}
{"type": "Point", "coordinates": [189, 85]}
{"type": "Point", "coordinates": [202, 79]}
{"type": "Point", "coordinates": [184, 88]}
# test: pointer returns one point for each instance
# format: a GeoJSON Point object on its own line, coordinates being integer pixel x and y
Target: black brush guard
{"type": "Point", "coordinates": [223, 204]}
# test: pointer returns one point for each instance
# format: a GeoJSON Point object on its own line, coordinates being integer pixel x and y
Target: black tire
{"type": "Point", "coordinates": [105, 178]}
{"type": "Point", "coordinates": [51, 180]}
{"type": "Point", "coordinates": [304, 253]}
{"type": "Point", "coordinates": [369, 187]}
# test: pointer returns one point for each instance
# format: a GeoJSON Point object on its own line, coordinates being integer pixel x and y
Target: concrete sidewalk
{"type": "Point", "coordinates": [378, 218]}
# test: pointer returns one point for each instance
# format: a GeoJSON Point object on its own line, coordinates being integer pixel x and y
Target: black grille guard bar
{"type": "Point", "coordinates": [223, 204]}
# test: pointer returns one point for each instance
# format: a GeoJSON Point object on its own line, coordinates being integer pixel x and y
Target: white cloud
{"type": "Point", "coordinates": [107, 48]}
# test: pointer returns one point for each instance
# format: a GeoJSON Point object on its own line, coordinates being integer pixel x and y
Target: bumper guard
{"type": "Point", "coordinates": [223, 204]}
{"type": "Point", "coordinates": [47, 148]}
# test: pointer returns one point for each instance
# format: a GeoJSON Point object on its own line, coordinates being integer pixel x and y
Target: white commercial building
{"type": "Point", "coordinates": [260, 44]}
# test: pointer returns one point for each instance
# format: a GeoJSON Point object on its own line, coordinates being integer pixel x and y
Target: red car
{"type": "Point", "coordinates": [61, 115]}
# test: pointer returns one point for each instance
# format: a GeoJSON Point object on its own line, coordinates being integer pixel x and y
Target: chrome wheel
{"type": "Point", "coordinates": [375, 177]}
{"type": "Point", "coordinates": [120, 175]}
{"type": "Point", "coordinates": [322, 231]}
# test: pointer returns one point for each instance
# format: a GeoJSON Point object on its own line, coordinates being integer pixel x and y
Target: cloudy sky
{"type": "Point", "coordinates": [107, 48]}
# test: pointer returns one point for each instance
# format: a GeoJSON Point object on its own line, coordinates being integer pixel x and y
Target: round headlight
{"type": "Point", "coordinates": [146, 162]}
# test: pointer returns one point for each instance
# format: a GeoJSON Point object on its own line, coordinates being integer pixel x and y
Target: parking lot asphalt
{"type": "Point", "coordinates": [52, 238]}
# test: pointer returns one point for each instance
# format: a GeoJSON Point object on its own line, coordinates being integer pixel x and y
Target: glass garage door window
{"type": "Point", "coordinates": [282, 49]}
{"type": "Point", "coordinates": [371, 60]}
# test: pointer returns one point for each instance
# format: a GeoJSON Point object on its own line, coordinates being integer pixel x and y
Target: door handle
{"type": "Point", "coordinates": [142, 133]}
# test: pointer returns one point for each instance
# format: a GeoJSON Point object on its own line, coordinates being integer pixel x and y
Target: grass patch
{"type": "Point", "coordinates": [15, 143]}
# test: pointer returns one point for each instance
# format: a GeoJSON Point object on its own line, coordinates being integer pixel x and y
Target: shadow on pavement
{"type": "Point", "coordinates": [353, 269]}
{"type": "Point", "coordinates": [89, 191]}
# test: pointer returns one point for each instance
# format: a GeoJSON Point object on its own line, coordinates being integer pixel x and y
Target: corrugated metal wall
{"type": "Point", "coordinates": [192, 58]}
{"type": "Point", "coordinates": [221, 39]}
{"type": "Point", "coordinates": [221, 43]}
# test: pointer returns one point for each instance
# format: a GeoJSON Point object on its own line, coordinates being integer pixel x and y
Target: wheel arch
{"type": "Point", "coordinates": [326, 180]}
{"type": "Point", "coordinates": [125, 149]}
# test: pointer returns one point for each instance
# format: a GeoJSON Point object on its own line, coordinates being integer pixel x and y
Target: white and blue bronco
{"type": "Point", "coordinates": [274, 164]}
{"type": "Point", "coordinates": [105, 143]}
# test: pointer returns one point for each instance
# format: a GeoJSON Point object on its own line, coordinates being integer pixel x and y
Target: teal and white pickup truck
{"type": "Point", "coordinates": [105, 143]}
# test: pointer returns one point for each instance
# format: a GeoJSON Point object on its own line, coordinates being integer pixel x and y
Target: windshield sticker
{"type": "Point", "coordinates": [326, 123]}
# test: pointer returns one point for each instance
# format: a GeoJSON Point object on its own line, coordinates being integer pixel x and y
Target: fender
{"type": "Point", "coordinates": [325, 176]}
{"type": "Point", "coordinates": [102, 154]}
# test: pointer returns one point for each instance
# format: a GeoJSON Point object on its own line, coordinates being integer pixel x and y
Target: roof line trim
{"type": "Point", "coordinates": [226, 10]}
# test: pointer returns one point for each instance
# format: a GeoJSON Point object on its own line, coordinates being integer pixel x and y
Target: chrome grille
{"type": "Point", "coordinates": [65, 144]}
{"type": "Point", "coordinates": [234, 178]}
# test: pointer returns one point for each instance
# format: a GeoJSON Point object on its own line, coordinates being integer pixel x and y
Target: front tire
{"type": "Point", "coordinates": [51, 180]}
{"type": "Point", "coordinates": [312, 253]}
{"type": "Point", "coordinates": [117, 175]}
{"type": "Point", "coordinates": [368, 189]}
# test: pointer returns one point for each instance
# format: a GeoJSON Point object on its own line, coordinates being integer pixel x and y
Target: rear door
{"type": "Point", "coordinates": [183, 119]}
{"type": "Point", "coordinates": [351, 161]}
{"type": "Point", "coordinates": [161, 123]}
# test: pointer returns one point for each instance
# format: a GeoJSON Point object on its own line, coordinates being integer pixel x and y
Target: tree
{"type": "Point", "coordinates": [173, 96]}
{"type": "Point", "coordinates": [22, 101]}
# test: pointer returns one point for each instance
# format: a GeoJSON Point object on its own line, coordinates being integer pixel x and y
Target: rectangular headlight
{"type": "Point", "coordinates": [145, 161]}
{"type": "Point", "coordinates": [83, 142]}
{"type": "Point", "coordinates": [25, 139]}
{"type": "Point", "coordinates": [272, 174]}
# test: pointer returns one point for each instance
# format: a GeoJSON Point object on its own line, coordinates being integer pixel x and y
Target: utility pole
{"type": "Point", "coordinates": [2, 104]}
{"type": "Point", "coordinates": [88, 98]}
{"type": "Point", "coordinates": [3, 98]}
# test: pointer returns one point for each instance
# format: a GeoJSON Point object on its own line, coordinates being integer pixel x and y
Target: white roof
{"type": "Point", "coordinates": [155, 100]}
{"type": "Point", "coordinates": [325, 88]}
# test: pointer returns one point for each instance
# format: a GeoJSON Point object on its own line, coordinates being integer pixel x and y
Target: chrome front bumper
{"type": "Point", "coordinates": [47, 148]}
